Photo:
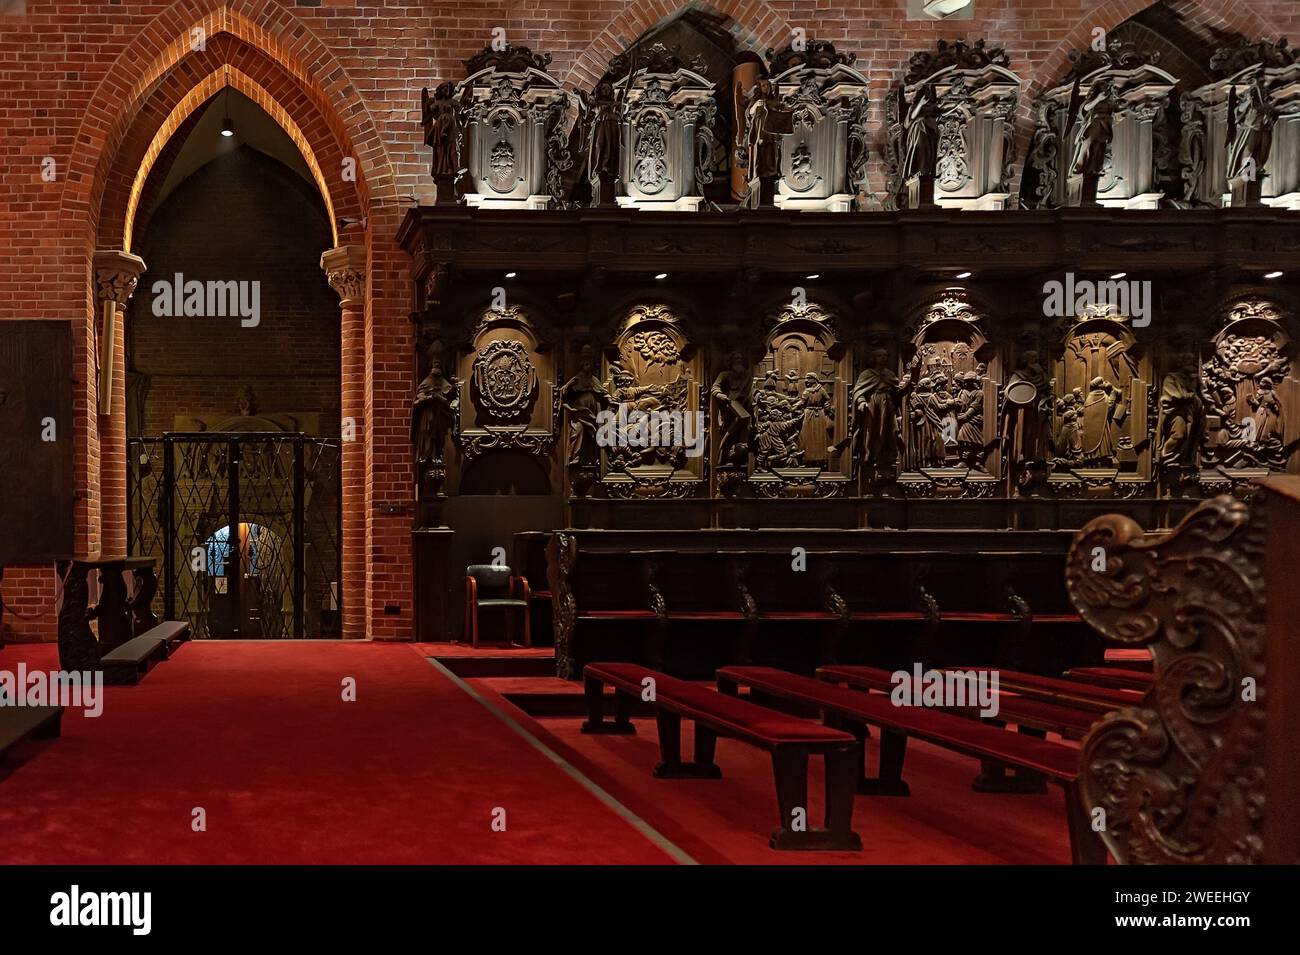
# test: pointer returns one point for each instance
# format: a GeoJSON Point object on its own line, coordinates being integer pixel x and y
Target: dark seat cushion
{"type": "Point", "coordinates": [18, 722]}
{"type": "Point", "coordinates": [1058, 760]}
{"type": "Point", "coordinates": [724, 713]}
{"type": "Point", "coordinates": [169, 630]}
{"type": "Point", "coordinates": [503, 602]}
{"type": "Point", "coordinates": [134, 652]}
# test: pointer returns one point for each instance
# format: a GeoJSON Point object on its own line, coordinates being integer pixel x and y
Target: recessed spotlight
{"type": "Point", "coordinates": [1273, 275]}
{"type": "Point", "coordinates": [1119, 275]}
{"type": "Point", "coordinates": [815, 275]}
{"type": "Point", "coordinates": [963, 275]}
{"type": "Point", "coordinates": [511, 275]}
{"type": "Point", "coordinates": [661, 276]}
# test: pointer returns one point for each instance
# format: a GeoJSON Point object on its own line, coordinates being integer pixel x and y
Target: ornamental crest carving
{"type": "Point", "coordinates": [505, 380]}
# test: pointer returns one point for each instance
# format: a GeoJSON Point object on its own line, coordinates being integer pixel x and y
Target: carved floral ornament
{"type": "Point", "coordinates": [505, 379]}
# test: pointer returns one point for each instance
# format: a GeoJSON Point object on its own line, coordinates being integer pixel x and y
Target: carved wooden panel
{"type": "Point", "coordinates": [801, 406]}
{"type": "Point", "coordinates": [652, 375]}
{"type": "Point", "coordinates": [1100, 425]}
{"type": "Point", "coordinates": [1252, 395]}
{"type": "Point", "coordinates": [507, 387]}
{"type": "Point", "coordinates": [1180, 777]}
{"type": "Point", "coordinates": [949, 415]}
{"type": "Point", "coordinates": [36, 431]}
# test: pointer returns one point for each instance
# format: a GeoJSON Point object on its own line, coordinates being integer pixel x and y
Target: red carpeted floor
{"type": "Point", "coordinates": [257, 734]}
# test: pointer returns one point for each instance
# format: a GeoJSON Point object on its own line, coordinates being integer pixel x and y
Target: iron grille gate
{"type": "Point", "coordinates": [246, 530]}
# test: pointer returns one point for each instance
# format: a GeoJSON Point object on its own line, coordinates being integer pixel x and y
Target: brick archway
{"type": "Point", "coordinates": [757, 26]}
{"type": "Point", "coordinates": [147, 98]}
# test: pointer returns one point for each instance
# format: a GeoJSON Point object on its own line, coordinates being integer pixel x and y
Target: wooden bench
{"type": "Point", "coordinates": [1117, 678]}
{"type": "Point", "coordinates": [789, 740]}
{"type": "Point", "coordinates": [1034, 717]}
{"type": "Point", "coordinates": [19, 722]}
{"type": "Point", "coordinates": [856, 711]}
{"type": "Point", "coordinates": [133, 659]}
{"type": "Point", "coordinates": [1050, 689]}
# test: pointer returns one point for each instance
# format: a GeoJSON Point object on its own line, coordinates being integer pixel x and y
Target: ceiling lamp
{"type": "Point", "coordinates": [939, 9]}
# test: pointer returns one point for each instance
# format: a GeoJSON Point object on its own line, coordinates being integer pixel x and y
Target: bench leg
{"type": "Point", "coordinates": [706, 746]}
{"type": "Point", "coordinates": [993, 778]}
{"type": "Point", "coordinates": [889, 777]}
{"type": "Point", "coordinates": [1086, 846]}
{"type": "Point", "coordinates": [593, 692]}
{"type": "Point", "coordinates": [670, 751]}
{"type": "Point", "coordinates": [790, 770]}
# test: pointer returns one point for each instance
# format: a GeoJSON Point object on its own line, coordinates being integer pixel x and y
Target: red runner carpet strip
{"type": "Point", "coordinates": [257, 734]}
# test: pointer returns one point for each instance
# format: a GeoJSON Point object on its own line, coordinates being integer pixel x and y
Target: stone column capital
{"type": "Point", "coordinates": [116, 275]}
{"type": "Point", "coordinates": [345, 267]}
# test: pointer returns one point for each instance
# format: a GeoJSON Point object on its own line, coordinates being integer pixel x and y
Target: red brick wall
{"type": "Point", "coordinates": [90, 85]}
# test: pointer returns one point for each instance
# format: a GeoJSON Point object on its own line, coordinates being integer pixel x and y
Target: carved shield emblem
{"type": "Point", "coordinates": [505, 380]}
{"type": "Point", "coordinates": [502, 166]}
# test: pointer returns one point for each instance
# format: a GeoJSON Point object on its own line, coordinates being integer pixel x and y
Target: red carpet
{"type": "Point", "coordinates": [257, 734]}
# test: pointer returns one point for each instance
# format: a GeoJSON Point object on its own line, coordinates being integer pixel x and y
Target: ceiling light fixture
{"type": "Point", "coordinates": [661, 276]}
{"type": "Point", "coordinates": [963, 275]}
{"type": "Point", "coordinates": [1119, 275]}
{"type": "Point", "coordinates": [227, 127]}
{"type": "Point", "coordinates": [941, 9]}
{"type": "Point", "coordinates": [511, 275]}
{"type": "Point", "coordinates": [1274, 275]}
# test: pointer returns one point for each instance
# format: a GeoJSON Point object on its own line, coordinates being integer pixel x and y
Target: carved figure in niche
{"type": "Point", "coordinates": [633, 448]}
{"type": "Point", "coordinates": [1102, 416]}
{"type": "Point", "coordinates": [933, 415]}
{"type": "Point", "coordinates": [874, 439]}
{"type": "Point", "coordinates": [732, 394]}
{"type": "Point", "coordinates": [1240, 386]}
{"type": "Point", "coordinates": [1068, 439]}
{"type": "Point", "coordinates": [1266, 412]}
{"type": "Point", "coordinates": [1254, 117]}
{"type": "Point", "coordinates": [602, 139]}
{"type": "Point", "coordinates": [922, 124]}
{"type": "Point", "coordinates": [1096, 125]}
{"type": "Point", "coordinates": [765, 123]}
{"type": "Point", "coordinates": [777, 423]}
{"type": "Point", "coordinates": [441, 122]}
{"type": "Point", "coordinates": [583, 397]}
{"type": "Point", "coordinates": [1179, 427]}
{"type": "Point", "coordinates": [245, 402]}
{"type": "Point", "coordinates": [1026, 411]}
{"type": "Point", "coordinates": [433, 411]}
{"type": "Point", "coordinates": [970, 419]}
{"type": "Point", "coordinates": [818, 420]}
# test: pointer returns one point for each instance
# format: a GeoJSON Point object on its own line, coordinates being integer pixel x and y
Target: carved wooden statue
{"type": "Point", "coordinates": [1178, 779]}
{"type": "Point", "coordinates": [922, 152]}
{"type": "Point", "coordinates": [1251, 140]}
{"type": "Point", "coordinates": [1181, 418]}
{"type": "Point", "coordinates": [440, 118]}
{"type": "Point", "coordinates": [732, 395]}
{"type": "Point", "coordinates": [583, 397]}
{"type": "Point", "coordinates": [1026, 414]}
{"type": "Point", "coordinates": [433, 412]}
{"type": "Point", "coordinates": [766, 121]}
{"type": "Point", "coordinates": [875, 405]}
{"type": "Point", "coordinates": [601, 136]}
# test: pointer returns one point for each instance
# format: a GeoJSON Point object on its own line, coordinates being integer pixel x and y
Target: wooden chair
{"type": "Point", "coordinates": [491, 587]}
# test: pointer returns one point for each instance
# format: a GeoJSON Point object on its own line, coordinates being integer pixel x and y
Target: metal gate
{"type": "Point", "coordinates": [245, 528]}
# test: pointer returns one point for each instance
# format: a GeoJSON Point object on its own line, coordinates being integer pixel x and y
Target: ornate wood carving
{"type": "Point", "coordinates": [561, 559]}
{"type": "Point", "coordinates": [1180, 777]}
{"type": "Point", "coordinates": [1252, 399]}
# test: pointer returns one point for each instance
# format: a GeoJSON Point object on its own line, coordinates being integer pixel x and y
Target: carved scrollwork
{"type": "Point", "coordinates": [561, 559]}
{"type": "Point", "coordinates": [1179, 776]}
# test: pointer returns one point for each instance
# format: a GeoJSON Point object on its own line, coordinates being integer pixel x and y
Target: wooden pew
{"type": "Point", "coordinates": [1084, 696]}
{"type": "Point", "coordinates": [856, 711]}
{"type": "Point", "coordinates": [1117, 678]}
{"type": "Point", "coordinates": [789, 740]}
{"type": "Point", "coordinates": [17, 723]}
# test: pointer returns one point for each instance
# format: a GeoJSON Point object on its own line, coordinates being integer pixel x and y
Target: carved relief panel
{"type": "Point", "coordinates": [1100, 429]}
{"type": "Point", "coordinates": [952, 128]}
{"type": "Point", "coordinates": [949, 409]}
{"type": "Point", "coordinates": [801, 406]}
{"type": "Point", "coordinates": [507, 390]}
{"type": "Point", "coordinates": [1252, 398]}
{"type": "Point", "coordinates": [652, 440]}
{"type": "Point", "coordinates": [1108, 121]}
{"type": "Point", "coordinates": [824, 158]}
{"type": "Point", "coordinates": [667, 138]}
{"type": "Point", "coordinates": [512, 105]}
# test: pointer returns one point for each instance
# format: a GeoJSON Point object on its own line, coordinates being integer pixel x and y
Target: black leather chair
{"type": "Point", "coordinates": [489, 587]}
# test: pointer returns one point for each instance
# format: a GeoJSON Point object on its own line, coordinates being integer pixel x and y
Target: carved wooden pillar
{"type": "Point", "coordinates": [116, 275]}
{"type": "Point", "coordinates": [345, 267]}
{"type": "Point", "coordinates": [1180, 778]}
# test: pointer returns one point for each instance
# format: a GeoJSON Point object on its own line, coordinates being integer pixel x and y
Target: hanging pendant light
{"type": "Point", "coordinates": [227, 127]}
